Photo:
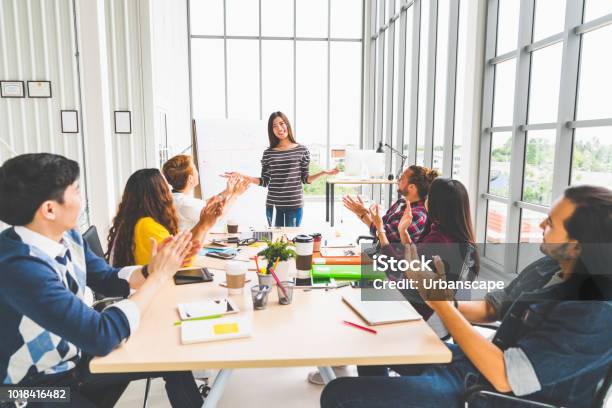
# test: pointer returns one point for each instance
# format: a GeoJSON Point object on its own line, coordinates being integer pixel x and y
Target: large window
{"type": "Point", "coordinates": [547, 116]}
{"type": "Point", "coordinates": [414, 73]}
{"type": "Point", "coordinates": [250, 58]}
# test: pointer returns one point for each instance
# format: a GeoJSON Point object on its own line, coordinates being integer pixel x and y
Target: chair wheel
{"type": "Point", "coordinates": [204, 390]}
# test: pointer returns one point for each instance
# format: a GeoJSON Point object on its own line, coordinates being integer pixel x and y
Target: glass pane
{"type": "Point", "coordinates": [311, 18]}
{"type": "Point", "coordinates": [530, 226]}
{"type": "Point", "coordinates": [507, 26]}
{"type": "Point", "coordinates": [595, 85]}
{"type": "Point", "coordinates": [539, 161]}
{"type": "Point", "coordinates": [423, 85]}
{"type": "Point", "coordinates": [277, 77]}
{"type": "Point", "coordinates": [441, 82]}
{"type": "Point", "coordinates": [503, 104]}
{"type": "Point", "coordinates": [242, 17]}
{"type": "Point", "coordinates": [544, 84]}
{"type": "Point", "coordinates": [549, 18]}
{"type": "Point", "coordinates": [496, 231]}
{"type": "Point", "coordinates": [277, 18]}
{"type": "Point", "coordinates": [408, 80]}
{"type": "Point", "coordinates": [499, 172]}
{"type": "Point", "coordinates": [592, 157]}
{"type": "Point", "coordinates": [378, 88]}
{"type": "Point", "coordinates": [462, 122]}
{"type": "Point", "coordinates": [596, 8]}
{"type": "Point", "coordinates": [310, 124]}
{"type": "Point", "coordinates": [243, 79]}
{"type": "Point", "coordinates": [208, 78]}
{"type": "Point", "coordinates": [206, 17]}
{"type": "Point", "coordinates": [530, 237]}
{"type": "Point", "coordinates": [345, 92]}
{"type": "Point", "coordinates": [346, 18]}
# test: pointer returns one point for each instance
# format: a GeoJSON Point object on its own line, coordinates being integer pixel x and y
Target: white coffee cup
{"type": "Point", "coordinates": [235, 276]}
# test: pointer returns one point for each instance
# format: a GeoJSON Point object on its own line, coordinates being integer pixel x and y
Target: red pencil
{"type": "Point", "coordinates": [256, 264]}
{"type": "Point", "coordinates": [358, 326]}
{"type": "Point", "coordinates": [278, 282]}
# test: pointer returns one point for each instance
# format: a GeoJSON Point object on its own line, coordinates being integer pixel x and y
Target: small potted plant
{"type": "Point", "coordinates": [283, 252]}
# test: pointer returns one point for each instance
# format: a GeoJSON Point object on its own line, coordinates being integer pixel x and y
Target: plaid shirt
{"type": "Point", "coordinates": [393, 216]}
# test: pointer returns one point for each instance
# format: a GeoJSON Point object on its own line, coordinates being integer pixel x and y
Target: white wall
{"type": "Point", "coordinates": [133, 56]}
{"type": "Point", "coordinates": [170, 75]}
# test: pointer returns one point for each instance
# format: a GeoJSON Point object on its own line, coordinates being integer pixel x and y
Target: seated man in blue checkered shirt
{"type": "Point", "coordinates": [49, 330]}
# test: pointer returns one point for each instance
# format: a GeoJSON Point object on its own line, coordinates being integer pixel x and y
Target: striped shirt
{"type": "Point", "coordinates": [283, 172]}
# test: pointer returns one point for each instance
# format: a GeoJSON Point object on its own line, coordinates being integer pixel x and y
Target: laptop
{"type": "Point", "coordinates": [382, 312]}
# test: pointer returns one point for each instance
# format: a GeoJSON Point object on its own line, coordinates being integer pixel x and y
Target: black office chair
{"type": "Point", "coordinates": [93, 240]}
{"type": "Point", "coordinates": [484, 393]}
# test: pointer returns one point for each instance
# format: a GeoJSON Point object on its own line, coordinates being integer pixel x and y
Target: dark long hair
{"type": "Point", "coordinates": [146, 194]}
{"type": "Point", "coordinates": [273, 139]}
{"type": "Point", "coordinates": [449, 208]}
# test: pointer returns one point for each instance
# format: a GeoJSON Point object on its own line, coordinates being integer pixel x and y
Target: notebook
{"type": "Point", "coordinates": [345, 272]}
{"type": "Point", "coordinates": [199, 331]}
{"type": "Point", "coordinates": [382, 312]}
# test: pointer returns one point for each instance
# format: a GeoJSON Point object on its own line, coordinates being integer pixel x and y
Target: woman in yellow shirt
{"type": "Point", "coordinates": [147, 212]}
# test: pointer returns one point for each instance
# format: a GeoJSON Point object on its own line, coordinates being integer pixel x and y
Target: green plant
{"type": "Point", "coordinates": [278, 249]}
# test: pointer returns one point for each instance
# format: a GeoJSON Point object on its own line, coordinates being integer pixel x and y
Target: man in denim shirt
{"type": "Point", "coordinates": [555, 340]}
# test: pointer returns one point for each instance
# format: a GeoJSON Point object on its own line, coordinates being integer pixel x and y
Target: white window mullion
{"type": "Point", "coordinates": [401, 88]}
{"type": "Point", "coordinates": [430, 81]}
{"type": "Point", "coordinates": [486, 120]}
{"type": "Point", "coordinates": [517, 158]}
{"type": "Point", "coordinates": [414, 79]}
{"type": "Point", "coordinates": [451, 89]}
{"type": "Point", "coordinates": [567, 98]}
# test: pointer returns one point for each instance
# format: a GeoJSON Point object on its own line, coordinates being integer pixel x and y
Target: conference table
{"type": "Point", "coordinates": [308, 332]}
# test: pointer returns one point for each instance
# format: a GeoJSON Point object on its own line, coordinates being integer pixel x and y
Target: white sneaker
{"type": "Point", "coordinates": [314, 377]}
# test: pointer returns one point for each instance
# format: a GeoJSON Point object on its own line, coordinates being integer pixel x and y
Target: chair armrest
{"type": "Point", "coordinates": [496, 396]}
{"type": "Point", "coordinates": [102, 304]}
{"type": "Point", "coordinates": [365, 238]}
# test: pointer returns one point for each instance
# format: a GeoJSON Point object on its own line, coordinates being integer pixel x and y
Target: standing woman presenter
{"type": "Point", "coordinates": [284, 170]}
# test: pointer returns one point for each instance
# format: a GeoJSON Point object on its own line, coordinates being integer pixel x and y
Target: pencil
{"type": "Point", "coordinates": [358, 326]}
{"type": "Point", "coordinates": [256, 264]}
{"type": "Point", "coordinates": [278, 282]}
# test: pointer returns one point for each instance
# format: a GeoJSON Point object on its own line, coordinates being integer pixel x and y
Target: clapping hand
{"type": "Point", "coordinates": [405, 221]}
{"type": "Point", "coordinates": [356, 206]}
{"type": "Point", "coordinates": [169, 255]}
{"type": "Point", "coordinates": [375, 211]}
{"type": "Point", "coordinates": [212, 211]}
{"type": "Point", "coordinates": [425, 280]}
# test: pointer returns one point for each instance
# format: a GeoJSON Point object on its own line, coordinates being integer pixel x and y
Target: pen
{"type": "Point", "coordinates": [178, 323]}
{"type": "Point", "coordinates": [358, 326]}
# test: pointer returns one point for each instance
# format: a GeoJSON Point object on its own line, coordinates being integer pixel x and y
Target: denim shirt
{"type": "Point", "coordinates": [566, 342]}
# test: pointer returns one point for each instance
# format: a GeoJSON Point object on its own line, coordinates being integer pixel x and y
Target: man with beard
{"type": "Point", "coordinates": [554, 343]}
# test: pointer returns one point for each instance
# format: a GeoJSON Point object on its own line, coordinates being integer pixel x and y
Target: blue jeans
{"type": "Point", "coordinates": [285, 217]}
{"type": "Point", "coordinates": [422, 386]}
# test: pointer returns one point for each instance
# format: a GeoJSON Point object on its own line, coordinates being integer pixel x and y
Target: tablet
{"type": "Point", "coordinates": [187, 276]}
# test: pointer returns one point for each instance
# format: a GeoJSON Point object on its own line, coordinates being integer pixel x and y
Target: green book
{"type": "Point", "coordinates": [346, 272]}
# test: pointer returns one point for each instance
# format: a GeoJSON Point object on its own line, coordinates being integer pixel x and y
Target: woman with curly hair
{"type": "Point", "coordinates": [147, 212]}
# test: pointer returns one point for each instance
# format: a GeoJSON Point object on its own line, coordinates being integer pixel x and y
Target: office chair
{"type": "Point", "coordinates": [482, 393]}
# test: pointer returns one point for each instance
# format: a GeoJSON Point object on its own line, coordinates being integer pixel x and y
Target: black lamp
{"type": "Point", "coordinates": [400, 154]}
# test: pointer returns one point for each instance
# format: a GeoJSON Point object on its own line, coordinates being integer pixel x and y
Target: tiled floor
{"type": "Point", "coordinates": [278, 387]}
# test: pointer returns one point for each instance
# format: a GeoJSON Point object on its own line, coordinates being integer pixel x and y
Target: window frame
{"type": "Point", "coordinates": [564, 126]}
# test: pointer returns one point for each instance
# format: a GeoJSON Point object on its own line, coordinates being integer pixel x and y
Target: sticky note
{"type": "Point", "coordinates": [226, 328]}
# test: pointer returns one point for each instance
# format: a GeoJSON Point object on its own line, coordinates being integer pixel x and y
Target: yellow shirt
{"type": "Point", "coordinates": [145, 229]}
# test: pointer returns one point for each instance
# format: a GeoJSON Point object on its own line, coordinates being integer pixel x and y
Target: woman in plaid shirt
{"type": "Point", "coordinates": [412, 188]}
